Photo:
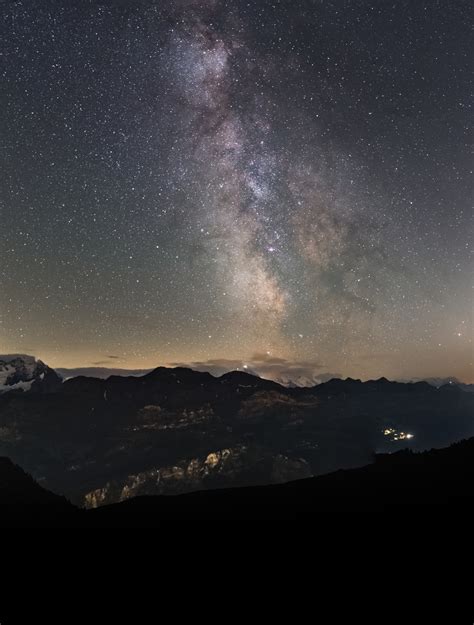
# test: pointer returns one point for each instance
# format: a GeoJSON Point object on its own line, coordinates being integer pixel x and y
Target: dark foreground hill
{"type": "Point", "coordinates": [23, 500]}
{"type": "Point", "coordinates": [407, 480]}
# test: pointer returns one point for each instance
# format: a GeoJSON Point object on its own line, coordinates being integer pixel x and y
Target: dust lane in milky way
{"type": "Point", "coordinates": [268, 182]}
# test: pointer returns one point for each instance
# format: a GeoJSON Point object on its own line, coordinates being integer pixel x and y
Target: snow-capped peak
{"type": "Point", "coordinates": [23, 372]}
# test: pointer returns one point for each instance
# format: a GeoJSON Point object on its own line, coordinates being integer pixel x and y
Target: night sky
{"type": "Point", "coordinates": [277, 185]}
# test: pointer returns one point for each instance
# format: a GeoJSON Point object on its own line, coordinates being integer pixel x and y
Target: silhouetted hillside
{"type": "Point", "coordinates": [23, 501]}
{"type": "Point", "coordinates": [404, 479]}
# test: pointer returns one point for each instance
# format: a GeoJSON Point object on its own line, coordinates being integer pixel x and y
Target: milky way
{"type": "Point", "coordinates": [280, 186]}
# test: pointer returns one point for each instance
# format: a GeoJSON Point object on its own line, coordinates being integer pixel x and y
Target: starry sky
{"type": "Point", "coordinates": [277, 185]}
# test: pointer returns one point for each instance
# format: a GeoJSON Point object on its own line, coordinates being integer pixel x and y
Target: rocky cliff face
{"type": "Point", "coordinates": [225, 468]}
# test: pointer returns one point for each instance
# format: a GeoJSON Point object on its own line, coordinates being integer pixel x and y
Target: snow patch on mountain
{"type": "Point", "coordinates": [21, 372]}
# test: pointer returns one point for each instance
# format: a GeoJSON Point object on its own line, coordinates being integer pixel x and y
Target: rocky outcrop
{"type": "Point", "coordinates": [224, 468]}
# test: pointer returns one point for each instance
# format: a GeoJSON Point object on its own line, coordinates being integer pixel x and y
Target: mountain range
{"type": "Point", "coordinates": [290, 380]}
{"type": "Point", "coordinates": [19, 371]}
{"type": "Point", "coordinates": [102, 441]}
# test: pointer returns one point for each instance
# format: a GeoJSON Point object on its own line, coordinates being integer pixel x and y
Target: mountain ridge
{"type": "Point", "coordinates": [104, 373]}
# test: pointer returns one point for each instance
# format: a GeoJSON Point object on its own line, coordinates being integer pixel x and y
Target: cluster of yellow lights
{"type": "Point", "coordinates": [397, 436]}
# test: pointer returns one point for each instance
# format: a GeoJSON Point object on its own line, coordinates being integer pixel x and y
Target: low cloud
{"type": "Point", "coordinates": [106, 362]}
{"type": "Point", "coordinates": [99, 372]}
{"type": "Point", "coordinates": [287, 372]}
